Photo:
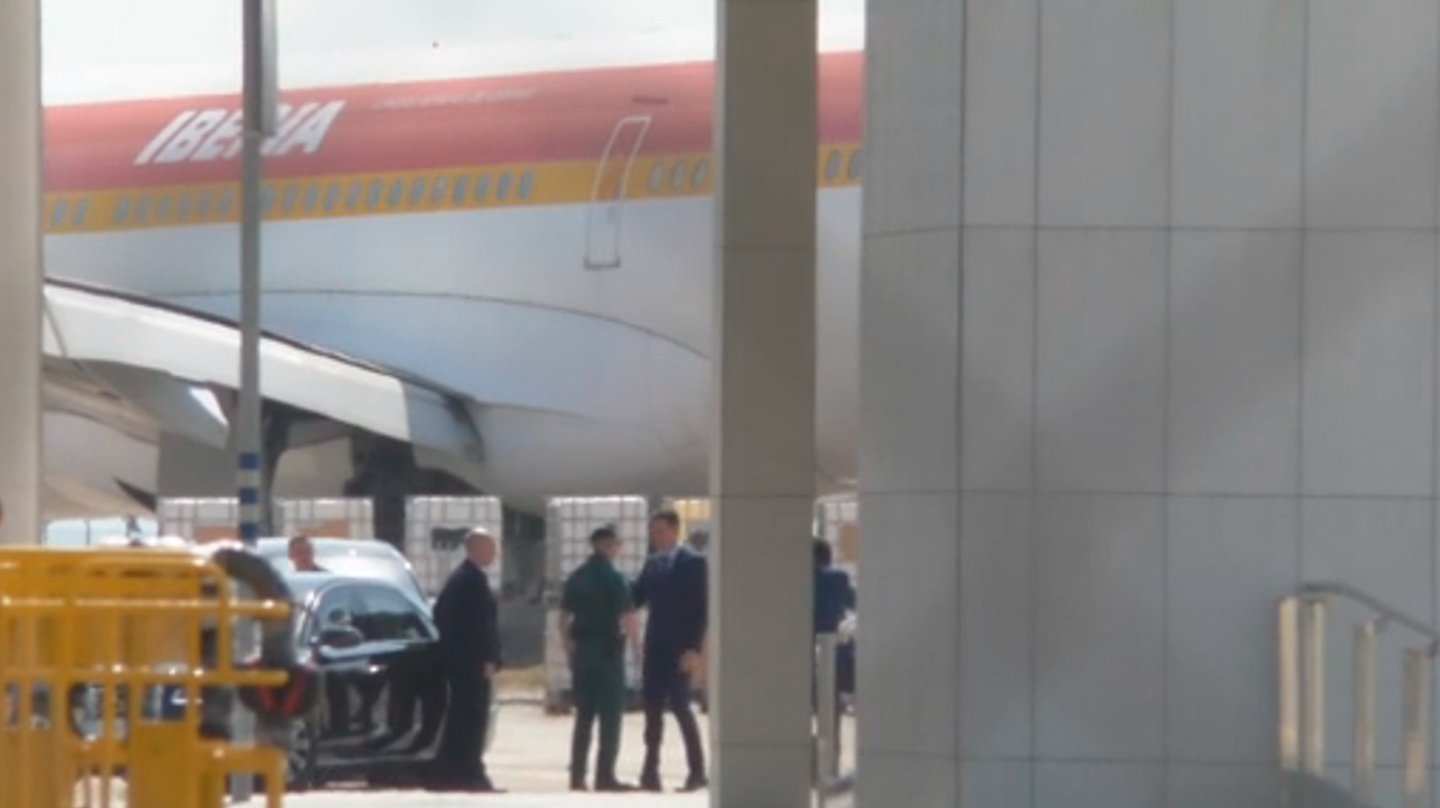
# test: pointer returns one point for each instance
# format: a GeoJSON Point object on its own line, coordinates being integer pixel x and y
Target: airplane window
{"type": "Point", "coordinates": [442, 190]}
{"type": "Point", "coordinates": [482, 187]}
{"type": "Point", "coordinates": [142, 209]}
{"type": "Point", "coordinates": [527, 184]}
{"type": "Point", "coordinates": [57, 218]}
{"type": "Point", "coordinates": [462, 189]}
{"type": "Point", "coordinates": [312, 197]}
{"type": "Point", "coordinates": [397, 193]}
{"type": "Point", "coordinates": [82, 209]}
{"type": "Point", "coordinates": [702, 173]}
{"type": "Point", "coordinates": [832, 166]}
{"type": "Point", "coordinates": [332, 196]}
{"type": "Point", "coordinates": [678, 175]}
{"type": "Point", "coordinates": [417, 192]}
{"type": "Point", "coordinates": [352, 200]}
{"type": "Point", "coordinates": [502, 187]}
{"type": "Point", "coordinates": [855, 165]}
{"type": "Point", "coordinates": [182, 212]}
{"type": "Point", "coordinates": [122, 210]}
{"type": "Point", "coordinates": [202, 205]}
{"type": "Point", "coordinates": [227, 202]}
{"type": "Point", "coordinates": [162, 208]}
{"type": "Point", "coordinates": [377, 189]}
{"type": "Point", "coordinates": [657, 177]}
{"type": "Point", "coordinates": [291, 194]}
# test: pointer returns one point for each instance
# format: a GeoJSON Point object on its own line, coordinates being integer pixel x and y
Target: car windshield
{"type": "Point", "coordinates": [303, 584]}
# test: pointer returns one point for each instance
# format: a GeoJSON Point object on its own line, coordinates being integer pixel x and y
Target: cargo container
{"type": "Point", "coordinates": [199, 520]}
{"type": "Point", "coordinates": [696, 521]}
{"type": "Point", "coordinates": [435, 529]}
{"type": "Point", "coordinates": [328, 518]}
{"type": "Point", "coordinates": [569, 522]}
{"type": "Point", "coordinates": [837, 520]}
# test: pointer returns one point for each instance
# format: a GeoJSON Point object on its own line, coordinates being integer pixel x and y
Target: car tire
{"type": "Point", "coordinates": [301, 770]}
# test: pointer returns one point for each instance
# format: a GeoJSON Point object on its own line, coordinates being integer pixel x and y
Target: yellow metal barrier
{"type": "Point", "coordinates": [104, 674]}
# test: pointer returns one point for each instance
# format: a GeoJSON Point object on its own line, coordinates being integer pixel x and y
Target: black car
{"type": "Point", "coordinates": [382, 697]}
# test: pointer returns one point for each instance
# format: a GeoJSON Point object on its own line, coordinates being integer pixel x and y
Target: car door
{"type": "Point", "coordinates": [343, 667]}
{"type": "Point", "coordinates": [398, 695]}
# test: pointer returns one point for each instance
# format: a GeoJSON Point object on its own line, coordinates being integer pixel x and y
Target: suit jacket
{"type": "Point", "coordinates": [678, 603]}
{"type": "Point", "coordinates": [468, 618]}
{"type": "Point", "coordinates": [834, 596]}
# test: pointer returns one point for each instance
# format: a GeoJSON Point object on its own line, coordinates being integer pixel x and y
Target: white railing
{"type": "Point", "coordinates": [830, 783]}
{"type": "Point", "coordinates": [1302, 717]}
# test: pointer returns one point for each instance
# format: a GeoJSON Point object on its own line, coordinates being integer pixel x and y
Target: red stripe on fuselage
{"type": "Point", "coordinates": [427, 125]}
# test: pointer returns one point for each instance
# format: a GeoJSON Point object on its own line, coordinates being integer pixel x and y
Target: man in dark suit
{"type": "Point", "coordinates": [467, 616]}
{"type": "Point", "coordinates": [834, 601]}
{"type": "Point", "coordinates": [673, 587]}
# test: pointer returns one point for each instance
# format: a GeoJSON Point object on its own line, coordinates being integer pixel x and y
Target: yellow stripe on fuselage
{"type": "Point", "coordinates": [431, 190]}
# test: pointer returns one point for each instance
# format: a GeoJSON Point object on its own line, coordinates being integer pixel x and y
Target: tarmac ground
{"type": "Point", "coordinates": [530, 759]}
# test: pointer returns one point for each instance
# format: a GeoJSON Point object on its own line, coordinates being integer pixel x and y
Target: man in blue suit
{"type": "Point", "coordinates": [673, 587]}
{"type": "Point", "coordinates": [834, 601]}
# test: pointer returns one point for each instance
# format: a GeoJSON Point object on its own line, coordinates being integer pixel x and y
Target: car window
{"type": "Point", "coordinates": [334, 610]}
{"type": "Point", "coordinates": [383, 615]}
{"type": "Point", "coordinates": [337, 609]}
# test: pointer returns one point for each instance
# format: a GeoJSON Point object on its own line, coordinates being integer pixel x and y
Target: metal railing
{"type": "Point", "coordinates": [1302, 692]}
{"type": "Point", "coordinates": [830, 782]}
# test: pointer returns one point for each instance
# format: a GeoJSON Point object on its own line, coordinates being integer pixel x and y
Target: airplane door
{"type": "Point", "coordinates": [602, 227]}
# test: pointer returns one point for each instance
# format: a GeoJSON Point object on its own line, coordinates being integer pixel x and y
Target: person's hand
{"type": "Point", "coordinates": [690, 663]}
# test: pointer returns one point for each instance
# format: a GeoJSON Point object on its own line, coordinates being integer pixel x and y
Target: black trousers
{"type": "Point", "coordinates": [666, 688]}
{"type": "Point", "coordinates": [599, 689]}
{"type": "Point", "coordinates": [461, 758]}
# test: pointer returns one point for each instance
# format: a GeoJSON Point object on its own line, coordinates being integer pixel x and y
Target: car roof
{"type": "Point", "coordinates": [367, 546]}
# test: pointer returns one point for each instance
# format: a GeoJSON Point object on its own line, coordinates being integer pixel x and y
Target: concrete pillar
{"type": "Point", "coordinates": [21, 276]}
{"type": "Point", "coordinates": [763, 455]}
{"type": "Point", "coordinates": [911, 325]}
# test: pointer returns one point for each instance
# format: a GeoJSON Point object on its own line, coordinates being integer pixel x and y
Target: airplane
{"type": "Point", "coordinates": [535, 244]}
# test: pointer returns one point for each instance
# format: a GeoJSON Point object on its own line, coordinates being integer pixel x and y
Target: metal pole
{"type": "Point", "coordinates": [1288, 643]}
{"type": "Point", "coordinates": [1417, 726]}
{"type": "Point", "coordinates": [21, 273]}
{"type": "Point", "coordinates": [1364, 729]}
{"type": "Point", "coordinates": [259, 122]}
{"type": "Point", "coordinates": [1314, 705]}
{"type": "Point", "coordinates": [259, 118]}
{"type": "Point", "coordinates": [1288, 666]}
{"type": "Point", "coordinates": [827, 731]}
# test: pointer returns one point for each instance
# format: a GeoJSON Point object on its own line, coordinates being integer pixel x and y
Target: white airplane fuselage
{"type": "Point", "coordinates": [542, 244]}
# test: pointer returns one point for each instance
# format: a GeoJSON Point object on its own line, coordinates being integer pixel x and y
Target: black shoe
{"type": "Point", "coordinates": [482, 785]}
{"type": "Point", "coordinates": [651, 782]}
{"type": "Point", "coordinates": [695, 782]}
{"type": "Point", "coordinates": [614, 787]}
{"type": "Point", "coordinates": [579, 784]}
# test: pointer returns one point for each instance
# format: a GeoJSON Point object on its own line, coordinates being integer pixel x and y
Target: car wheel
{"type": "Point", "coordinates": [300, 762]}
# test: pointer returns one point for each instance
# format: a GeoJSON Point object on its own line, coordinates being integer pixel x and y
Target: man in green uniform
{"type": "Point", "coordinates": [596, 616]}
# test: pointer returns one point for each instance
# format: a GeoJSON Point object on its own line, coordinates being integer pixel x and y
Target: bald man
{"type": "Point", "coordinates": [468, 618]}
